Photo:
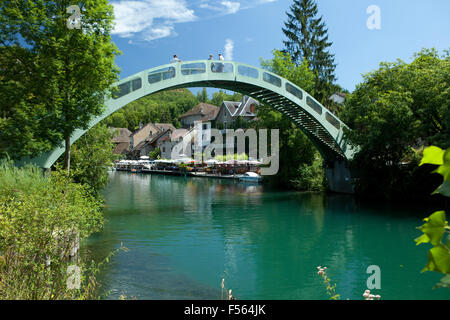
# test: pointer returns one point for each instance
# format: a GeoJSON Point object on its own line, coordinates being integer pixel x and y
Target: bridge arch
{"type": "Point", "coordinates": [319, 124]}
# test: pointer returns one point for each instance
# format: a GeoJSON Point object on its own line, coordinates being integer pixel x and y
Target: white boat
{"type": "Point", "coordinates": [251, 177]}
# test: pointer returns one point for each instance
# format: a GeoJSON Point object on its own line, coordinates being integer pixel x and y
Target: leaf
{"type": "Point", "coordinates": [433, 155]}
{"type": "Point", "coordinates": [443, 283]}
{"type": "Point", "coordinates": [438, 259]}
{"type": "Point", "coordinates": [444, 170]}
{"type": "Point", "coordinates": [443, 189]}
{"type": "Point", "coordinates": [433, 229]}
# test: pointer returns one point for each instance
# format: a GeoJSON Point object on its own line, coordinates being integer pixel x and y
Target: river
{"type": "Point", "coordinates": [184, 235]}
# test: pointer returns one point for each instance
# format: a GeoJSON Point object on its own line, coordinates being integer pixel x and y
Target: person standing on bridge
{"type": "Point", "coordinates": [220, 65]}
{"type": "Point", "coordinates": [210, 57]}
{"type": "Point", "coordinates": [175, 58]}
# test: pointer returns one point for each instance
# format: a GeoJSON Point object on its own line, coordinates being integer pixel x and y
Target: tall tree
{"type": "Point", "coordinates": [397, 108]}
{"type": "Point", "coordinates": [297, 153]}
{"type": "Point", "coordinates": [69, 70]}
{"type": "Point", "coordinates": [307, 39]}
{"type": "Point", "coordinates": [202, 96]}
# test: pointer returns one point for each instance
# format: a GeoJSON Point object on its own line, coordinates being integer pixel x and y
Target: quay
{"type": "Point", "coordinates": [234, 169]}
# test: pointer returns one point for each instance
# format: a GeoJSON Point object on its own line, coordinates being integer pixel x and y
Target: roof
{"type": "Point", "coordinates": [340, 94]}
{"type": "Point", "coordinates": [231, 106]}
{"type": "Point", "coordinates": [202, 109]}
{"type": "Point", "coordinates": [148, 124]}
{"type": "Point", "coordinates": [154, 138]}
{"type": "Point", "coordinates": [179, 133]}
{"type": "Point", "coordinates": [241, 108]}
{"type": "Point", "coordinates": [122, 136]}
{"type": "Point", "coordinates": [244, 108]}
{"type": "Point", "coordinates": [165, 126]}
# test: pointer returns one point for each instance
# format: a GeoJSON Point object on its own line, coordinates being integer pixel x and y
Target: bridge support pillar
{"type": "Point", "coordinates": [339, 177]}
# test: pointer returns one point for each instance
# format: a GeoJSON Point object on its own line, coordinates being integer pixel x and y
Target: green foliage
{"type": "Point", "coordinates": [307, 40]}
{"type": "Point", "coordinates": [331, 289]}
{"type": "Point", "coordinates": [398, 107]}
{"type": "Point", "coordinates": [282, 64]}
{"type": "Point", "coordinates": [155, 154]}
{"type": "Point", "coordinates": [58, 80]}
{"type": "Point", "coordinates": [220, 96]}
{"type": "Point", "coordinates": [202, 96]}
{"type": "Point", "coordinates": [40, 220]}
{"type": "Point", "coordinates": [437, 156]}
{"type": "Point", "coordinates": [436, 227]}
{"type": "Point", "coordinates": [92, 156]}
{"type": "Point", "coordinates": [311, 177]}
{"type": "Point", "coordinates": [162, 107]}
{"type": "Point", "coordinates": [297, 153]}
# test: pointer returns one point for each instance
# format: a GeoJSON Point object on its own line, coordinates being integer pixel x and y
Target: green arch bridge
{"type": "Point", "coordinates": [319, 124]}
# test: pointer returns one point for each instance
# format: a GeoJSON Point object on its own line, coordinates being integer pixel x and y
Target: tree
{"type": "Point", "coordinates": [296, 150]}
{"type": "Point", "coordinates": [202, 96]}
{"type": "Point", "coordinates": [160, 107]}
{"type": "Point", "coordinates": [307, 39]}
{"type": "Point", "coordinates": [70, 70]}
{"type": "Point", "coordinates": [92, 155]}
{"type": "Point", "coordinates": [155, 154]}
{"type": "Point", "coordinates": [220, 96]}
{"type": "Point", "coordinates": [395, 111]}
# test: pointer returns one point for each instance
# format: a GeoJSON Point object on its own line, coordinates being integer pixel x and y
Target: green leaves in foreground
{"type": "Point", "coordinates": [436, 156]}
{"type": "Point", "coordinates": [436, 226]}
{"type": "Point", "coordinates": [433, 230]}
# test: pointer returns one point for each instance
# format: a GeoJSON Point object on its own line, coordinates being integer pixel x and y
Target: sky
{"type": "Point", "coordinates": [364, 32]}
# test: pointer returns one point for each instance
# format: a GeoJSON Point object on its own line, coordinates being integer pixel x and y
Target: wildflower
{"type": "Point", "coordinates": [366, 294]}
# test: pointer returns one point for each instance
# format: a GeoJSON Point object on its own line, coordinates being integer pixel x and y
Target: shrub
{"type": "Point", "coordinates": [41, 218]}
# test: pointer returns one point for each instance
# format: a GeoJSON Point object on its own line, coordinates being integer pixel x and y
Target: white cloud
{"type": "Point", "coordinates": [151, 19]}
{"type": "Point", "coordinates": [231, 7]}
{"type": "Point", "coordinates": [154, 19]}
{"type": "Point", "coordinates": [229, 47]}
{"type": "Point", "coordinates": [224, 7]}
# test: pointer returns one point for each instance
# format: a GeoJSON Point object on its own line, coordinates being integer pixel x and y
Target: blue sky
{"type": "Point", "coordinates": [149, 32]}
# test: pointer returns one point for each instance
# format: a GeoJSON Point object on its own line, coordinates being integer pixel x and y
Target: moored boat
{"type": "Point", "coordinates": [250, 177]}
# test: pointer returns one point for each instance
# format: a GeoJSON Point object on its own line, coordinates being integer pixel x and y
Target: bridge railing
{"type": "Point", "coordinates": [202, 70]}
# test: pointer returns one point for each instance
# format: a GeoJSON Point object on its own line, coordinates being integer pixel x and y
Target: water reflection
{"type": "Point", "coordinates": [186, 234]}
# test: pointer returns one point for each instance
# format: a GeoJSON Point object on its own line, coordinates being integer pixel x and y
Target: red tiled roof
{"type": "Point", "coordinates": [203, 109]}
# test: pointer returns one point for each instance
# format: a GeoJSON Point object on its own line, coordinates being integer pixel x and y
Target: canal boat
{"type": "Point", "coordinates": [250, 177]}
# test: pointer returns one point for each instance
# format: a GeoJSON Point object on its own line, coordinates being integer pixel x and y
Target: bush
{"type": "Point", "coordinates": [41, 218]}
{"type": "Point", "coordinates": [311, 177]}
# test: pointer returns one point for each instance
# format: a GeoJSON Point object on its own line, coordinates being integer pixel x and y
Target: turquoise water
{"type": "Point", "coordinates": [185, 234]}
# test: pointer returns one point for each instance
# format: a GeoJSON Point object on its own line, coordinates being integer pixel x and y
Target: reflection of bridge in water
{"type": "Point", "coordinates": [319, 124]}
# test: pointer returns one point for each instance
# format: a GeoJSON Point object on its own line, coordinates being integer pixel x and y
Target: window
{"type": "Point", "coordinates": [314, 105]}
{"type": "Point", "coordinates": [272, 79]}
{"type": "Point", "coordinates": [193, 68]}
{"type": "Point", "coordinates": [161, 74]}
{"type": "Point", "coordinates": [335, 122]}
{"type": "Point", "coordinates": [123, 89]}
{"type": "Point", "coordinates": [136, 84]}
{"type": "Point", "coordinates": [248, 72]}
{"type": "Point", "coordinates": [293, 90]}
{"type": "Point", "coordinates": [219, 67]}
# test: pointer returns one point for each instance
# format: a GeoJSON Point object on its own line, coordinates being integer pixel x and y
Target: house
{"type": "Point", "coordinates": [143, 133]}
{"type": "Point", "coordinates": [121, 140]}
{"type": "Point", "coordinates": [338, 97]}
{"type": "Point", "coordinates": [146, 139]}
{"type": "Point", "coordinates": [201, 112]}
{"type": "Point", "coordinates": [166, 144]}
{"type": "Point", "coordinates": [230, 112]}
{"type": "Point", "coordinates": [165, 126]}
